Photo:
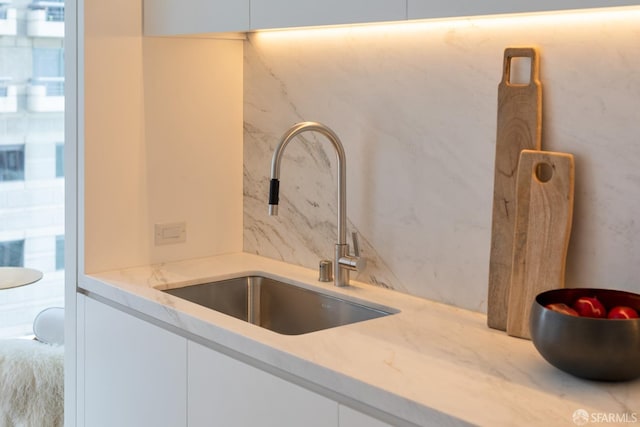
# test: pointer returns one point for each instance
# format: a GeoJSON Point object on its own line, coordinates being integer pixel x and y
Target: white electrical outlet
{"type": "Point", "coordinates": [170, 232]}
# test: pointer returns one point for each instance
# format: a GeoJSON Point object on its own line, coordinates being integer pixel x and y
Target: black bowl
{"type": "Point", "coordinates": [595, 349]}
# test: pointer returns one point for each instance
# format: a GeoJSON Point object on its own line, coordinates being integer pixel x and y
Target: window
{"type": "Point", "coordinates": [60, 252]}
{"type": "Point", "coordinates": [11, 162]}
{"type": "Point", "coordinates": [12, 253]}
{"type": "Point", "coordinates": [52, 11]}
{"type": "Point", "coordinates": [59, 160]}
{"type": "Point", "coordinates": [48, 62]}
{"type": "Point", "coordinates": [31, 160]}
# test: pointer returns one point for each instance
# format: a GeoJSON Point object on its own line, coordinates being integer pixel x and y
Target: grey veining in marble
{"type": "Point", "coordinates": [415, 107]}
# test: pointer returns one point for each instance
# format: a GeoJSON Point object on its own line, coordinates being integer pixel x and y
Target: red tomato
{"type": "Point", "coordinates": [590, 307]}
{"type": "Point", "coordinates": [622, 312]}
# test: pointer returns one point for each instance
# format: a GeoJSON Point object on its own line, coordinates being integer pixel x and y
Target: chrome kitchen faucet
{"type": "Point", "coordinates": [343, 261]}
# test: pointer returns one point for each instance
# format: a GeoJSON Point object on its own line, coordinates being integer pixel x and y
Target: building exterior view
{"type": "Point", "coordinates": [31, 157]}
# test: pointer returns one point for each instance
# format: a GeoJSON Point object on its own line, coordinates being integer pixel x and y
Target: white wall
{"type": "Point", "coordinates": [193, 148]}
{"type": "Point", "coordinates": [415, 106]}
{"type": "Point", "coordinates": [162, 141]}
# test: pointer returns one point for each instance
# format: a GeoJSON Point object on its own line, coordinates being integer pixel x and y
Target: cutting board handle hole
{"type": "Point", "coordinates": [519, 70]}
{"type": "Point", "coordinates": [544, 172]}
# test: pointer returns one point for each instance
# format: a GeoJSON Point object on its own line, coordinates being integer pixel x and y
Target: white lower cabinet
{"type": "Point", "coordinates": [348, 417]}
{"type": "Point", "coordinates": [134, 372]}
{"type": "Point", "coordinates": [226, 392]}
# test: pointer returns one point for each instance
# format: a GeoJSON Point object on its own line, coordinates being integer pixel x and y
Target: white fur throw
{"type": "Point", "coordinates": [31, 384]}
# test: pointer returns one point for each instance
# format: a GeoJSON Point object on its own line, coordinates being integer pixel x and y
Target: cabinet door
{"type": "Point", "coordinates": [299, 13]}
{"type": "Point", "coordinates": [226, 392]}
{"type": "Point", "coordinates": [418, 9]}
{"type": "Point", "coordinates": [134, 372]}
{"type": "Point", "coordinates": [173, 17]}
{"type": "Point", "coordinates": [352, 418]}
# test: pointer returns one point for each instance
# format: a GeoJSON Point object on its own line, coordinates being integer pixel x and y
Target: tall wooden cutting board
{"type": "Point", "coordinates": [544, 214]}
{"type": "Point", "coordinates": [519, 128]}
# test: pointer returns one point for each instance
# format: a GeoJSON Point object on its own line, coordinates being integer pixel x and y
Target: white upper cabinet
{"type": "Point", "coordinates": [301, 13]}
{"type": "Point", "coordinates": [175, 17]}
{"type": "Point", "coordinates": [420, 9]}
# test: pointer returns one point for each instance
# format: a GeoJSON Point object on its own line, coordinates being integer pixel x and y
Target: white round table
{"type": "Point", "coordinates": [12, 277]}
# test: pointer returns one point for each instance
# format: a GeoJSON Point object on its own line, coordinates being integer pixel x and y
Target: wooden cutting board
{"type": "Point", "coordinates": [544, 215]}
{"type": "Point", "coordinates": [519, 128]}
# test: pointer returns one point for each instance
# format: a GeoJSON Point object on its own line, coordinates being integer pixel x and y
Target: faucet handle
{"type": "Point", "coordinates": [356, 246]}
{"type": "Point", "coordinates": [361, 261]}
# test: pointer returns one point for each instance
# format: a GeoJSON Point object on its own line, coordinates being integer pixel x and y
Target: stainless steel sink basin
{"type": "Point", "coordinates": [278, 306]}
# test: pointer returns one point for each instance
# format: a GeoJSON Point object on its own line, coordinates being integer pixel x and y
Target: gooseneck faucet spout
{"type": "Point", "coordinates": [343, 262]}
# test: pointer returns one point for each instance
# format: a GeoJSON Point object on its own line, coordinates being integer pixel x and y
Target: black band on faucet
{"type": "Point", "coordinates": [274, 190]}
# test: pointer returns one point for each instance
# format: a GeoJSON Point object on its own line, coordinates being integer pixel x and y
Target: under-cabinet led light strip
{"type": "Point", "coordinates": [583, 16]}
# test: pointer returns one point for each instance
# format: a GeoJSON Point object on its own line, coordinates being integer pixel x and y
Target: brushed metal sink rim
{"type": "Point", "coordinates": [279, 306]}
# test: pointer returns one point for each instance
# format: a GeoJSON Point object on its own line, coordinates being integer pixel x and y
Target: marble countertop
{"type": "Point", "coordinates": [428, 363]}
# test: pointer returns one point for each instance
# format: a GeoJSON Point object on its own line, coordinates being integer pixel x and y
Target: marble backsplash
{"type": "Point", "coordinates": [415, 106]}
